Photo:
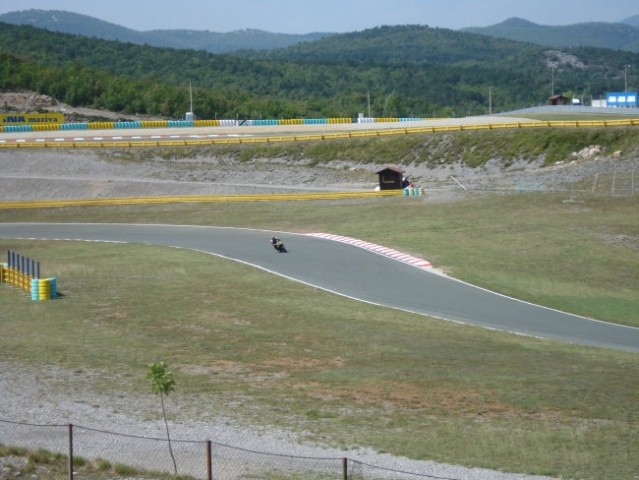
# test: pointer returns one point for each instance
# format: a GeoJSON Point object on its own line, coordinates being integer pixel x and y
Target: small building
{"type": "Point", "coordinates": [391, 178]}
{"type": "Point", "coordinates": [622, 99]}
{"type": "Point", "coordinates": [558, 100]}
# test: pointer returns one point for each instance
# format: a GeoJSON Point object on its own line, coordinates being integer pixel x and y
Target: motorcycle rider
{"type": "Point", "coordinates": [277, 243]}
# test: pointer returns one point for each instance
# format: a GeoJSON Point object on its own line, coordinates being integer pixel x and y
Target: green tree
{"type": "Point", "coordinates": [162, 384]}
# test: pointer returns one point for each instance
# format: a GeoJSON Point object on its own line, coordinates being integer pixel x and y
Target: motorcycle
{"type": "Point", "coordinates": [278, 245]}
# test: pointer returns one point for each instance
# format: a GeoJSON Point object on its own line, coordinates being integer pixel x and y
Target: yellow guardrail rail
{"type": "Point", "coordinates": [274, 197]}
{"type": "Point", "coordinates": [325, 136]}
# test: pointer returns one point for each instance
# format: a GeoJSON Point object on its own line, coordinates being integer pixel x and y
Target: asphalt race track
{"type": "Point", "coordinates": [356, 273]}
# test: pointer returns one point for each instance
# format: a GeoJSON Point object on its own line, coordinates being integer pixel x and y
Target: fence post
{"type": "Point", "coordinates": [209, 463]}
{"type": "Point", "coordinates": [70, 451]}
{"type": "Point", "coordinates": [345, 468]}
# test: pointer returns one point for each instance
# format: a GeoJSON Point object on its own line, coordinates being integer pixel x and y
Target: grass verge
{"type": "Point", "coordinates": [20, 462]}
{"type": "Point", "coordinates": [276, 353]}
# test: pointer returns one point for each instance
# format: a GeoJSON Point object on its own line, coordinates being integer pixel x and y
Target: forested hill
{"type": "Point", "coordinates": [408, 71]}
{"type": "Point", "coordinates": [621, 36]}
{"type": "Point", "coordinates": [414, 44]}
{"type": "Point", "coordinates": [214, 42]}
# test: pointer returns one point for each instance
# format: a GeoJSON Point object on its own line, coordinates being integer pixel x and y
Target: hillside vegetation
{"type": "Point", "coordinates": [408, 71]}
{"type": "Point", "coordinates": [544, 147]}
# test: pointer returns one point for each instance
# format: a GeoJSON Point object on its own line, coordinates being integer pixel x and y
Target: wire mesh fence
{"type": "Point", "coordinates": [603, 178]}
{"type": "Point", "coordinates": [201, 459]}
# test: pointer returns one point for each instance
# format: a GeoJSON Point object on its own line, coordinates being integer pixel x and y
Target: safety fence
{"type": "Point", "coordinates": [196, 458]}
{"type": "Point", "coordinates": [142, 124]}
{"type": "Point", "coordinates": [52, 143]}
{"type": "Point", "coordinates": [110, 125]}
{"type": "Point", "coordinates": [609, 177]}
{"type": "Point", "coordinates": [24, 273]}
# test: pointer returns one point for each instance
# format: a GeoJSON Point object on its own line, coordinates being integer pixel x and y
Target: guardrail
{"type": "Point", "coordinates": [178, 123]}
{"type": "Point", "coordinates": [274, 197]}
{"type": "Point", "coordinates": [630, 122]}
{"type": "Point", "coordinates": [574, 110]}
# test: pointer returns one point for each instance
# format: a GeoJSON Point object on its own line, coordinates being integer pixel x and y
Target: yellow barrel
{"type": "Point", "coordinates": [44, 289]}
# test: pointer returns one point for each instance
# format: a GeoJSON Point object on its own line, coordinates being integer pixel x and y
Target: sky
{"type": "Point", "coordinates": [336, 16]}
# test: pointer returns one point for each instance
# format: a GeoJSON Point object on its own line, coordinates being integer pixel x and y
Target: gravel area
{"type": "Point", "coordinates": [38, 175]}
{"type": "Point", "coordinates": [53, 396]}
{"type": "Point", "coordinates": [50, 174]}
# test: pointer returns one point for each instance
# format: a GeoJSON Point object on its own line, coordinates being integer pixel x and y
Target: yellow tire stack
{"type": "Point", "coordinates": [43, 288]}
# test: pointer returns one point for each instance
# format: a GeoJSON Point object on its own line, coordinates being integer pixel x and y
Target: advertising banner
{"type": "Point", "coordinates": [7, 119]}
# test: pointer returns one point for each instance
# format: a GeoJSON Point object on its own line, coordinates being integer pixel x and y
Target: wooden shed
{"type": "Point", "coordinates": [558, 100]}
{"type": "Point", "coordinates": [391, 178]}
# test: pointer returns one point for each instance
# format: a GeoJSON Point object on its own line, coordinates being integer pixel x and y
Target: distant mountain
{"type": "Point", "coordinates": [74, 23]}
{"type": "Point", "coordinates": [65, 22]}
{"type": "Point", "coordinates": [614, 36]}
{"type": "Point", "coordinates": [633, 21]}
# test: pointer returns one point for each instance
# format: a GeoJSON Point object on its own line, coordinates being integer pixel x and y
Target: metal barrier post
{"type": "Point", "coordinates": [209, 463]}
{"type": "Point", "coordinates": [70, 452]}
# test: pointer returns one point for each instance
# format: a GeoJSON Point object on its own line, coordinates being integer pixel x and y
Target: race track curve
{"type": "Point", "coordinates": [355, 273]}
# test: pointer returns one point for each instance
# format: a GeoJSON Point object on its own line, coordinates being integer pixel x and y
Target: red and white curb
{"type": "Point", "coordinates": [388, 252]}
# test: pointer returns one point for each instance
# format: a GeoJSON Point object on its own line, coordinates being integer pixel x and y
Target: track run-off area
{"type": "Point", "coordinates": [357, 270]}
{"type": "Point", "coordinates": [347, 267]}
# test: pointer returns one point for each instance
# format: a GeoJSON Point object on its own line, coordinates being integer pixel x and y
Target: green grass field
{"type": "Point", "coordinates": [348, 373]}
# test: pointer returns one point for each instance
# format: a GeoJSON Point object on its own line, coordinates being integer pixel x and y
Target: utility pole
{"type": "Point", "coordinates": [552, 92]}
{"type": "Point", "coordinates": [625, 77]}
{"type": "Point", "coordinates": [490, 100]}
